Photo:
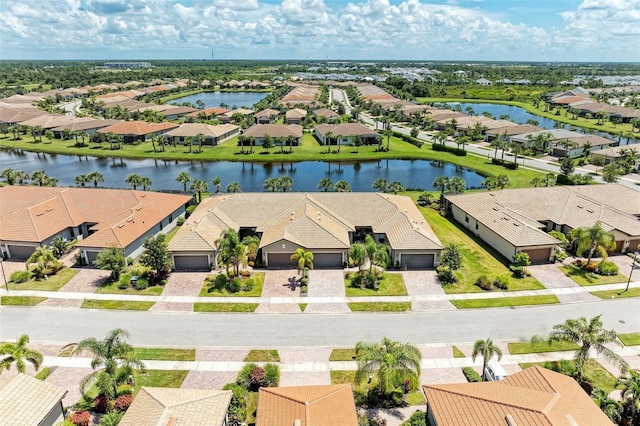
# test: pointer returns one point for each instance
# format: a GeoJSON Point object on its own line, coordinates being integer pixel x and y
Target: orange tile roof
{"type": "Point", "coordinates": [324, 405]}
{"type": "Point", "coordinates": [34, 214]}
{"type": "Point", "coordinates": [208, 112]}
{"type": "Point", "coordinates": [532, 397]}
{"type": "Point", "coordinates": [137, 128]}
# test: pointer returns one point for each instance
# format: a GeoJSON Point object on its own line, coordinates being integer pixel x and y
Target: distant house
{"type": "Point", "coordinates": [553, 134]}
{"type": "Point", "coordinates": [227, 116]}
{"type": "Point", "coordinates": [323, 405]}
{"type": "Point", "coordinates": [88, 125]}
{"type": "Point", "coordinates": [579, 144]}
{"type": "Point", "coordinates": [266, 116]}
{"type": "Point", "coordinates": [278, 132]}
{"type": "Point", "coordinates": [614, 153]}
{"type": "Point", "coordinates": [214, 135]}
{"type": "Point", "coordinates": [483, 82]}
{"type": "Point", "coordinates": [328, 114]}
{"type": "Point", "coordinates": [31, 216]}
{"type": "Point", "coordinates": [345, 134]}
{"type": "Point", "coordinates": [532, 397]}
{"type": "Point", "coordinates": [509, 130]}
{"type": "Point", "coordinates": [137, 130]}
{"type": "Point", "coordinates": [27, 401]}
{"type": "Point", "coordinates": [208, 113]}
{"type": "Point", "coordinates": [49, 121]}
{"type": "Point", "coordinates": [177, 407]}
{"type": "Point", "coordinates": [295, 116]}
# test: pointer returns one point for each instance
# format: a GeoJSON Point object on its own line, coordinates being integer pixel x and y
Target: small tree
{"type": "Point", "coordinates": [303, 259]}
{"type": "Point", "coordinates": [112, 259]}
{"type": "Point", "coordinates": [566, 166]}
{"type": "Point", "coordinates": [17, 353]}
{"type": "Point", "coordinates": [451, 256]}
{"type": "Point", "coordinates": [487, 350]}
{"type": "Point", "coordinates": [156, 255]}
{"type": "Point", "coordinates": [519, 266]}
{"type": "Point", "coordinates": [59, 246]}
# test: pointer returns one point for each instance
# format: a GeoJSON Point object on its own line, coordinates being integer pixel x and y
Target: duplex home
{"type": "Point", "coordinates": [213, 135]}
{"type": "Point", "coordinates": [266, 116]}
{"type": "Point", "coordinates": [326, 224]}
{"type": "Point", "coordinates": [137, 131]}
{"type": "Point", "coordinates": [345, 134]}
{"type": "Point", "coordinates": [577, 145]}
{"type": "Point", "coordinates": [295, 116]}
{"type": "Point", "coordinates": [26, 401]}
{"type": "Point", "coordinates": [278, 132]}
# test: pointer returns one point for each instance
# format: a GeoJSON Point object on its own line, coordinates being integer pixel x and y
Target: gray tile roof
{"type": "Point", "coordinates": [25, 400]}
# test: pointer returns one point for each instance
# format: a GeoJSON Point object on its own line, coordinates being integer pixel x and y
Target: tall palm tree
{"type": "Point", "coordinates": [631, 392]}
{"type": "Point", "coordinates": [39, 177]}
{"type": "Point", "coordinates": [234, 187]}
{"type": "Point", "coordinates": [145, 182]}
{"type": "Point", "coordinates": [230, 249]}
{"type": "Point", "coordinates": [326, 184]}
{"type": "Point", "coordinates": [95, 177]}
{"type": "Point", "coordinates": [199, 186]}
{"type": "Point", "coordinates": [342, 186]}
{"type": "Point", "coordinates": [377, 253]}
{"type": "Point", "coordinates": [303, 259]}
{"type": "Point", "coordinates": [487, 350]}
{"type": "Point", "coordinates": [457, 185]}
{"type": "Point", "coordinates": [114, 356]}
{"type": "Point", "coordinates": [396, 187]}
{"type": "Point", "coordinates": [588, 335]}
{"type": "Point", "coordinates": [17, 353]}
{"type": "Point", "coordinates": [133, 180]}
{"type": "Point", "coordinates": [441, 183]}
{"type": "Point", "coordinates": [285, 183]}
{"type": "Point", "coordinates": [9, 175]}
{"type": "Point", "coordinates": [184, 178]}
{"type": "Point", "coordinates": [200, 138]}
{"type": "Point", "coordinates": [270, 184]}
{"type": "Point", "coordinates": [390, 362]}
{"type": "Point", "coordinates": [593, 239]}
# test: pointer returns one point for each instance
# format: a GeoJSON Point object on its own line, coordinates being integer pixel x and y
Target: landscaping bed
{"type": "Point", "coordinates": [586, 278]}
{"type": "Point", "coordinates": [250, 286]}
{"type": "Point", "coordinates": [391, 284]}
{"type": "Point", "coordinates": [51, 283]}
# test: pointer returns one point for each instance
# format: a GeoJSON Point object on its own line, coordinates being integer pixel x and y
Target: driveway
{"type": "Point", "coordinates": [87, 280]}
{"type": "Point", "coordinates": [552, 277]}
{"type": "Point", "coordinates": [425, 290]}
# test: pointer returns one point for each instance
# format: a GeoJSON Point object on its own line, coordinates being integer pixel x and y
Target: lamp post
{"type": "Point", "coordinates": [633, 266]}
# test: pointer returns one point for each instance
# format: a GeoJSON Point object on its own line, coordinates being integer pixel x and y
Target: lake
{"type": "Point", "coordinates": [418, 174]}
{"type": "Point", "coordinates": [233, 100]}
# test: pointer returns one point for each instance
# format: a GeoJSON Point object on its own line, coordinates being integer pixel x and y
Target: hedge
{"type": "Point", "coordinates": [456, 151]}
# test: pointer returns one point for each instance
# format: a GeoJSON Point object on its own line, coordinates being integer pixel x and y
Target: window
{"type": "Point", "coordinates": [466, 218]}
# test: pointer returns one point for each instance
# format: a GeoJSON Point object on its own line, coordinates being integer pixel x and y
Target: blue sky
{"type": "Point", "coordinates": [499, 30]}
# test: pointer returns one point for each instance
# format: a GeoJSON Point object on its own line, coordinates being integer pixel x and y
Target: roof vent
{"type": "Point", "coordinates": [143, 195]}
{"type": "Point", "coordinates": [296, 423]}
{"type": "Point", "coordinates": [51, 209]}
{"type": "Point", "coordinates": [138, 208]}
{"type": "Point", "coordinates": [510, 420]}
{"type": "Point", "coordinates": [580, 207]}
{"type": "Point", "coordinates": [590, 211]}
{"type": "Point", "coordinates": [130, 219]}
{"type": "Point", "coordinates": [121, 225]}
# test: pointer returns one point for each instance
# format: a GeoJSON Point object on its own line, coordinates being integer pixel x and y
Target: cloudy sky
{"type": "Point", "coordinates": [518, 30]}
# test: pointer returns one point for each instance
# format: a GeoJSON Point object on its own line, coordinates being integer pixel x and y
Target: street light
{"type": "Point", "coordinates": [633, 265]}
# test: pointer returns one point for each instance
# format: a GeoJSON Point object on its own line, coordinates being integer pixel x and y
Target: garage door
{"type": "Point", "coordinates": [327, 260]}
{"type": "Point", "coordinates": [634, 245]}
{"type": "Point", "coordinates": [538, 255]}
{"type": "Point", "coordinates": [20, 252]}
{"type": "Point", "coordinates": [91, 257]}
{"type": "Point", "coordinates": [618, 248]}
{"type": "Point", "coordinates": [192, 263]}
{"type": "Point", "coordinates": [280, 260]}
{"type": "Point", "coordinates": [416, 261]}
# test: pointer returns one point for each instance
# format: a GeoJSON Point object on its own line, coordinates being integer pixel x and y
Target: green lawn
{"type": "Point", "coordinates": [392, 284]}
{"type": "Point", "coordinates": [617, 294]}
{"type": "Point", "coordinates": [124, 305]}
{"type": "Point", "coordinates": [343, 355]}
{"type": "Point", "coordinates": [21, 300]}
{"type": "Point", "coordinates": [339, 377]}
{"type": "Point", "coordinates": [630, 339]}
{"type": "Point", "coordinates": [380, 306]}
{"type": "Point", "coordinates": [584, 278]}
{"type": "Point", "coordinates": [303, 306]}
{"type": "Point", "coordinates": [594, 373]}
{"type": "Point", "coordinates": [457, 353]}
{"type": "Point", "coordinates": [111, 287]}
{"type": "Point", "coordinates": [159, 378]}
{"type": "Point", "coordinates": [52, 283]}
{"type": "Point", "coordinates": [224, 307]}
{"type": "Point", "coordinates": [165, 354]}
{"type": "Point", "coordinates": [504, 301]}
{"type": "Point", "coordinates": [256, 291]}
{"type": "Point", "coordinates": [517, 348]}
{"type": "Point", "coordinates": [478, 258]}
{"type": "Point", "coordinates": [171, 234]}
{"type": "Point", "coordinates": [262, 355]}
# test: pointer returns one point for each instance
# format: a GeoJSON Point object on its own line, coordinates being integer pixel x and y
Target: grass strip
{"type": "Point", "coordinates": [165, 354]}
{"type": "Point", "coordinates": [343, 355]}
{"type": "Point", "coordinates": [518, 348]}
{"type": "Point", "coordinates": [262, 355]}
{"type": "Point", "coordinates": [111, 287]}
{"type": "Point", "coordinates": [125, 305]}
{"type": "Point", "coordinates": [594, 373]}
{"type": "Point", "coordinates": [617, 294]}
{"type": "Point", "coordinates": [380, 306]}
{"type": "Point", "coordinates": [21, 300]}
{"type": "Point", "coordinates": [457, 353]}
{"type": "Point", "coordinates": [504, 302]}
{"type": "Point", "coordinates": [159, 378]}
{"type": "Point", "coordinates": [224, 307]}
{"type": "Point", "coordinates": [630, 339]}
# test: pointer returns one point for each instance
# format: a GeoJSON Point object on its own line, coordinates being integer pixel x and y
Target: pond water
{"type": "Point", "coordinates": [418, 174]}
{"type": "Point", "coordinates": [231, 99]}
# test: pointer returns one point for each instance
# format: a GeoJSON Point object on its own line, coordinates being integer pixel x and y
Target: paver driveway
{"type": "Point", "coordinates": [552, 277]}
{"type": "Point", "coordinates": [281, 283]}
{"type": "Point", "coordinates": [327, 283]}
{"type": "Point", "coordinates": [87, 280]}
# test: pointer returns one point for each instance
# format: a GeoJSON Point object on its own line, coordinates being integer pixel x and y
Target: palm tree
{"type": "Point", "coordinates": [285, 183]}
{"type": "Point", "coordinates": [396, 187]}
{"type": "Point", "coordinates": [441, 183]}
{"type": "Point", "coordinates": [270, 184]}
{"type": "Point", "coordinates": [115, 358]}
{"type": "Point", "coordinates": [200, 138]}
{"type": "Point", "coordinates": [230, 250]}
{"type": "Point", "coordinates": [303, 259]}
{"type": "Point", "coordinates": [377, 253]}
{"type": "Point", "coordinates": [95, 177]}
{"type": "Point", "coordinates": [134, 180]}
{"type": "Point", "coordinates": [9, 175]}
{"type": "Point", "coordinates": [631, 392]}
{"type": "Point", "coordinates": [390, 362]}
{"type": "Point", "coordinates": [42, 256]}
{"type": "Point", "coordinates": [588, 335]}
{"type": "Point", "coordinates": [457, 185]}
{"type": "Point", "coordinates": [327, 137]}
{"type": "Point", "coordinates": [18, 353]}
{"type": "Point", "coordinates": [594, 238]}
{"type": "Point", "coordinates": [380, 184]}
{"type": "Point", "coordinates": [199, 186]}
{"type": "Point", "coordinates": [342, 186]}
{"type": "Point", "coordinates": [39, 177]}
{"type": "Point", "coordinates": [487, 350]}
{"type": "Point", "coordinates": [81, 180]}
{"type": "Point", "coordinates": [325, 184]}
{"type": "Point", "coordinates": [216, 182]}
{"type": "Point", "coordinates": [610, 407]}
{"type": "Point", "coordinates": [184, 178]}
{"type": "Point", "coordinates": [20, 177]}
{"type": "Point", "coordinates": [189, 142]}
{"type": "Point", "coordinates": [234, 187]}
{"type": "Point", "coordinates": [145, 182]}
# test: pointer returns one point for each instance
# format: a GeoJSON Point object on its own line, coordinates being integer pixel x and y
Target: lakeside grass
{"type": "Point", "coordinates": [165, 354]}
{"type": "Point", "coordinates": [584, 278]}
{"type": "Point", "coordinates": [518, 348]}
{"type": "Point", "coordinates": [224, 307]}
{"type": "Point", "coordinates": [478, 258]}
{"type": "Point", "coordinates": [210, 291]}
{"type": "Point", "coordinates": [504, 302]}
{"type": "Point", "coordinates": [52, 283]}
{"type": "Point", "coordinates": [124, 305]}
{"type": "Point", "coordinates": [392, 284]}
{"type": "Point", "coordinates": [21, 300]}
{"type": "Point", "coordinates": [262, 355]}
{"type": "Point", "coordinates": [379, 306]}
{"type": "Point", "coordinates": [630, 339]}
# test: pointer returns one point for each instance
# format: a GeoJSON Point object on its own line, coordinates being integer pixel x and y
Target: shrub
{"type": "Point", "coordinates": [123, 285]}
{"type": "Point", "coordinates": [100, 403]}
{"type": "Point", "coordinates": [304, 289]}
{"type": "Point", "coordinates": [123, 402]}
{"type": "Point", "coordinates": [471, 375]}
{"type": "Point", "coordinates": [248, 285]}
{"type": "Point", "coordinates": [256, 378]}
{"type": "Point", "coordinates": [502, 283]}
{"type": "Point", "coordinates": [451, 256]}
{"type": "Point", "coordinates": [304, 281]}
{"type": "Point", "coordinates": [244, 375]}
{"type": "Point", "coordinates": [590, 267]}
{"type": "Point", "coordinates": [111, 419]}
{"type": "Point", "coordinates": [271, 375]}
{"type": "Point", "coordinates": [445, 275]}
{"type": "Point", "coordinates": [20, 277]}
{"type": "Point", "coordinates": [456, 151]}
{"type": "Point", "coordinates": [219, 282]}
{"type": "Point", "coordinates": [564, 242]}
{"type": "Point", "coordinates": [417, 419]}
{"type": "Point", "coordinates": [511, 166]}
{"type": "Point", "coordinates": [44, 373]}
{"type": "Point", "coordinates": [234, 285]}
{"type": "Point", "coordinates": [606, 268]}
{"type": "Point", "coordinates": [519, 271]}
{"type": "Point", "coordinates": [238, 406]}
{"type": "Point", "coordinates": [188, 211]}
{"type": "Point", "coordinates": [80, 418]}
{"type": "Point", "coordinates": [125, 390]}
{"type": "Point", "coordinates": [484, 283]}
{"type": "Point", "coordinates": [141, 283]}
{"type": "Point", "coordinates": [561, 255]}
{"type": "Point", "coordinates": [180, 221]}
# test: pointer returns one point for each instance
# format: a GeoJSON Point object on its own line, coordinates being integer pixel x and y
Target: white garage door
{"type": "Point", "coordinates": [192, 263]}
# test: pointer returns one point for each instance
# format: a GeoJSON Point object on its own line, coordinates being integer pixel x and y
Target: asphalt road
{"type": "Point", "coordinates": [282, 330]}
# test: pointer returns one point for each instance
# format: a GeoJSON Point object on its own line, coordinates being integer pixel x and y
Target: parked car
{"type": "Point", "coordinates": [494, 372]}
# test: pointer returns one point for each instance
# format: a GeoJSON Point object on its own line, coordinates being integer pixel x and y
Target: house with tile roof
{"type": "Point", "coordinates": [27, 401]}
{"type": "Point", "coordinates": [323, 405]}
{"type": "Point", "coordinates": [328, 114]}
{"type": "Point", "coordinates": [532, 397]}
{"type": "Point", "coordinates": [214, 135]}
{"type": "Point", "coordinates": [276, 131]}
{"type": "Point", "coordinates": [266, 116]}
{"type": "Point", "coordinates": [208, 112]}
{"type": "Point", "coordinates": [32, 216]}
{"type": "Point", "coordinates": [295, 116]}
{"type": "Point", "coordinates": [177, 406]}
{"type": "Point", "coordinates": [134, 131]}
{"type": "Point", "coordinates": [518, 220]}
{"type": "Point", "coordinates": [345, 134]}
{"type": "Point", "coordinates": [326, 224]}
